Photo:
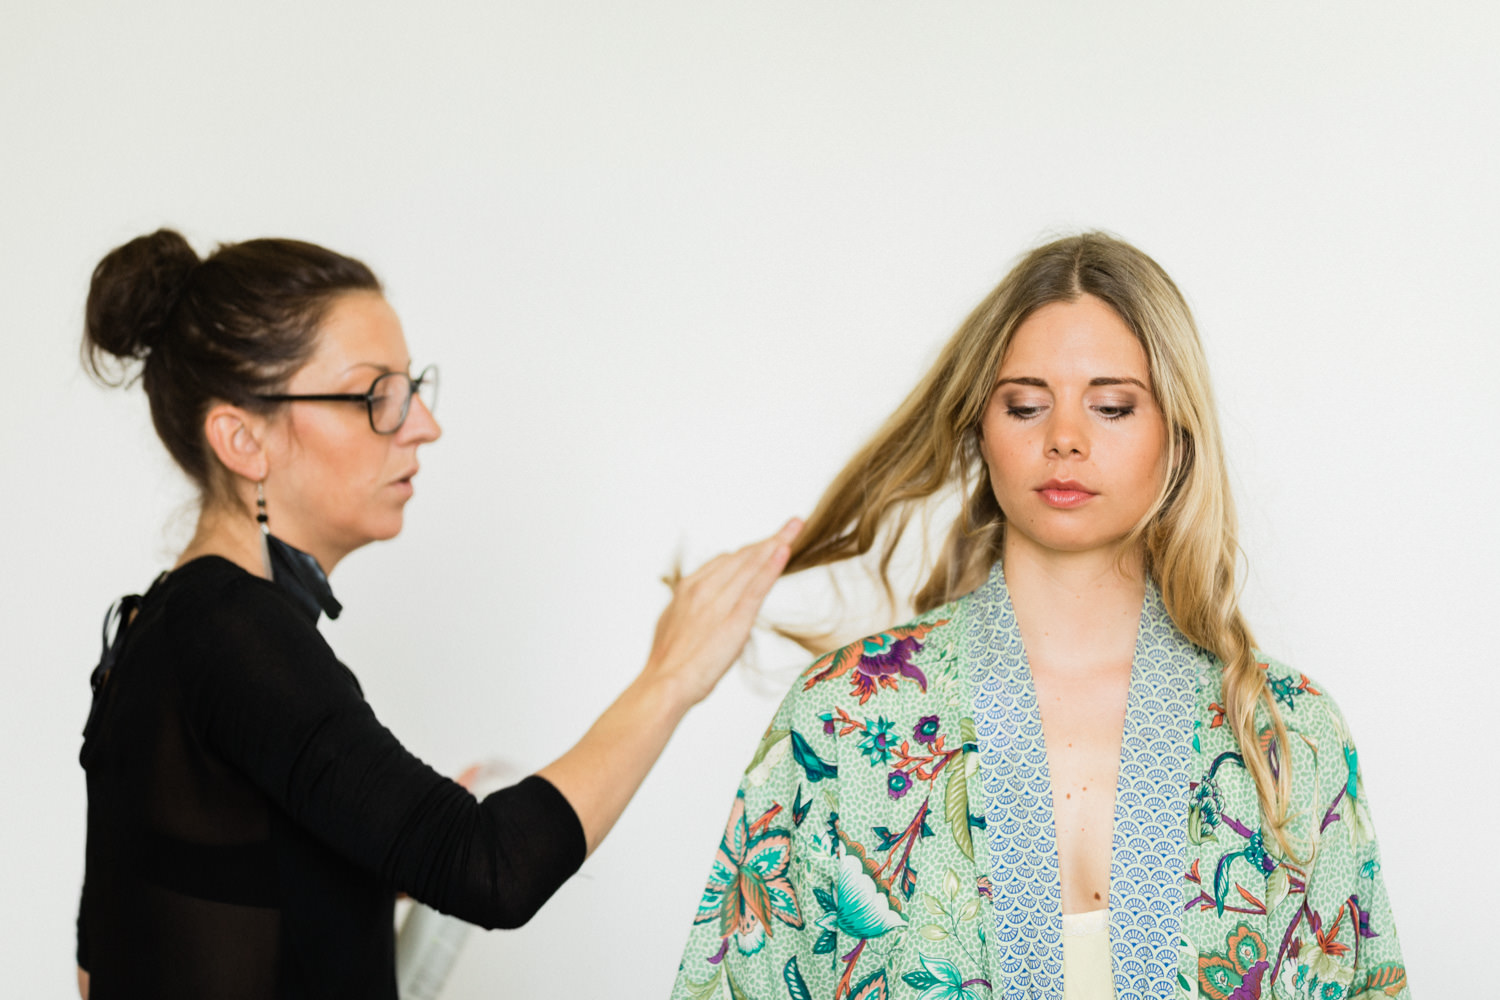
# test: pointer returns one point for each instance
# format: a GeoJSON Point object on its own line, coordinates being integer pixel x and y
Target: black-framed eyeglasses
{"type": "Point", "coordinates": [388, 401]}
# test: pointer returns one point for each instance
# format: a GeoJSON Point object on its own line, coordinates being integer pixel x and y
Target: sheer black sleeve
{"type": "Point", "coordinates": [81, 954]}
{"type": "Point", "coordinates": [271, 698]}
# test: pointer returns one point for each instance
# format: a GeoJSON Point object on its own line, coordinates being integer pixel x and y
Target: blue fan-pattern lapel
{"type": "Point", "coordinates": [1151, 799]}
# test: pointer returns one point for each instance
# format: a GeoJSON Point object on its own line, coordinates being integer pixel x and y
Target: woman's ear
{"type": "Point", "coordinates": [237, 437]}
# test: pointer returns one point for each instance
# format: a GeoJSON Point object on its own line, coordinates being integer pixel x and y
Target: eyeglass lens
{"type": "Point", "coordinates": [391, 394]}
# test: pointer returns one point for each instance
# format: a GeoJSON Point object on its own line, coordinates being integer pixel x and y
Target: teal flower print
{"type": "Point", "coordinates": [748, 886]}
{"type": "Point", "coordinates": [861, 909]}
{"type": "Point", "coordinates": [939, 979]}
{"type": "Point", "coordinates": [878, 742]}
{"type": "Point", "coordinates": [1315, 976]}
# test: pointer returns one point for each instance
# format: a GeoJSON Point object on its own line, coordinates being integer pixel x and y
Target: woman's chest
{"type": "Point", "coordinates": [1083, 717]}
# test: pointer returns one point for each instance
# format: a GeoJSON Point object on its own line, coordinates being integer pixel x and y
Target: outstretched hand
{"type": "Point", "coordinates": [706, 626]}
{"type": "Point", "coordinates": [698, 636]}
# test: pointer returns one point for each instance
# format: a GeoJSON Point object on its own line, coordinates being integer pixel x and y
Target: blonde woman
{"type": "Point", "coordinates": [1073, 774]}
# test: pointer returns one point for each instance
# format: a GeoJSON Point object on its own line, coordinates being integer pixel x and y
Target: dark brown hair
{"type": "Point", "coordinates": [225, 328]}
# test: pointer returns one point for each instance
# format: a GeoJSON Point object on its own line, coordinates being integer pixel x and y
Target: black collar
{"type": "Point", "coordinates": [304, 581]}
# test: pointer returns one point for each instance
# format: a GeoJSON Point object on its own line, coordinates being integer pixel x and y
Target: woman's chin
{"type": "Point", "coordinates": [1071, 543]}
{"type": "Point", "coordinates": [386, 528]}
{"type": "Point", "coordinates": [390, 531]}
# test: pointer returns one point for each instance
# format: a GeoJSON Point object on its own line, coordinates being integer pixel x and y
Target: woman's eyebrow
{"type": "Point", "coordinates": [382, 369]}
{"type": "Point", "coordinates": [1101, 380]}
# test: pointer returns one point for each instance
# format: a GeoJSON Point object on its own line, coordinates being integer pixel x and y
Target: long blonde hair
{"type": "Point", "coordinates": [930, 445]}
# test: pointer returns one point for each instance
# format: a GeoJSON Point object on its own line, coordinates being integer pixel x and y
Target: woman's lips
{"type": "Point", "coordinates": [1064, 494]}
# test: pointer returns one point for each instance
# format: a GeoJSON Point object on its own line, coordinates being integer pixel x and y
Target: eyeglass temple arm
{"type": "Point", "coordinates": [326, 397]}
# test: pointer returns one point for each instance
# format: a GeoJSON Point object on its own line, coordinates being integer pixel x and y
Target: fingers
{"type": "Point", "coordinates": [771, 556]}
{"type": "Point", "coordinates": [734, 570]}
{"type": "Point", "coordinates": [761, 583]}
{"type": "Point", "coordinates": [790, 530]}
{"type": "Point", "coordinates": [757, 571]}
{"type": "Point", "coordinates": [730, 588]}
{"type": "Point", "coordinates": [707, 623]}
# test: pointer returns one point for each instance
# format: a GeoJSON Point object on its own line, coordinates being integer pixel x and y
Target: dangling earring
{"type": "Point", "coordinates": [265, 526]}
{"type": "Point", "coordinates": [297, 573]}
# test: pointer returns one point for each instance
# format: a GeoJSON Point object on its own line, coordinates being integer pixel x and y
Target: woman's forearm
{"type": "Point", "coordinates": [600, 775]}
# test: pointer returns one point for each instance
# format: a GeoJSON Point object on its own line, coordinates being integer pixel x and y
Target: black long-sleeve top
{"type": "Point", "coordinates": [250, 820]}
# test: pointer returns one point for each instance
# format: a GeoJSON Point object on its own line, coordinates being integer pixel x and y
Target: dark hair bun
{"type": "Point", "coordinates": [132, 295]}
{"type": "Point", "coordinates": [230, 328]}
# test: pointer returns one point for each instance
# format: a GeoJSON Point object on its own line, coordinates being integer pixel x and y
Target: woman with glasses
{"type": "Point", "coordinates": [250, 820]}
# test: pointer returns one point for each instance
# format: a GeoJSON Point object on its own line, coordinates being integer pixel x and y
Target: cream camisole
{"type": "Point", "coordinates": [1087, 969]}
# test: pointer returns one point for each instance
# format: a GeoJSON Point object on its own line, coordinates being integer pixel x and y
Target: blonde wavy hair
{"type": "Point", "coordinates": [930, 447]}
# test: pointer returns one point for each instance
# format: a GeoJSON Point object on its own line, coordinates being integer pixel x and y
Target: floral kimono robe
{"type": "Point", "coordinates": [893, 836]}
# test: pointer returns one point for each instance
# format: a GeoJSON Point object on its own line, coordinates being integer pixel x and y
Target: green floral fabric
{"type": "Point", "coordinates": [854, 861]}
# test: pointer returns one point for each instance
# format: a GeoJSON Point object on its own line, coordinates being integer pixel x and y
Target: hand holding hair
{"type": "Point", "coordinates": [701, 632]}
{"type": "Point", "coordinates": [706, 626]}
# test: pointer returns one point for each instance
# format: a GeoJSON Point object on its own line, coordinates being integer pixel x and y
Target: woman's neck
{"type": "Point", "coordinates": [234, 534]}
{"type": "Point", "coordinates": [231, 535]}
{"type": "Point", "coordinates": [1075, 609]}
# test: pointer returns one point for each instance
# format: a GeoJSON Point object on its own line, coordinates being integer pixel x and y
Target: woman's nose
{"type": "Point", "coordinates": [1067, 434]}
{"type": "Point", "coordinates": [421, 426]}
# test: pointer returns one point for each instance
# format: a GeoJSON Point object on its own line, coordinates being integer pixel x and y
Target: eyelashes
{"type": "Point", "coordinates": [1110, 413]}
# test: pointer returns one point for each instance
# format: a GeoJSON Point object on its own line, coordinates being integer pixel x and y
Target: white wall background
{"type": "Point", "coordinates": [677, 260]}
